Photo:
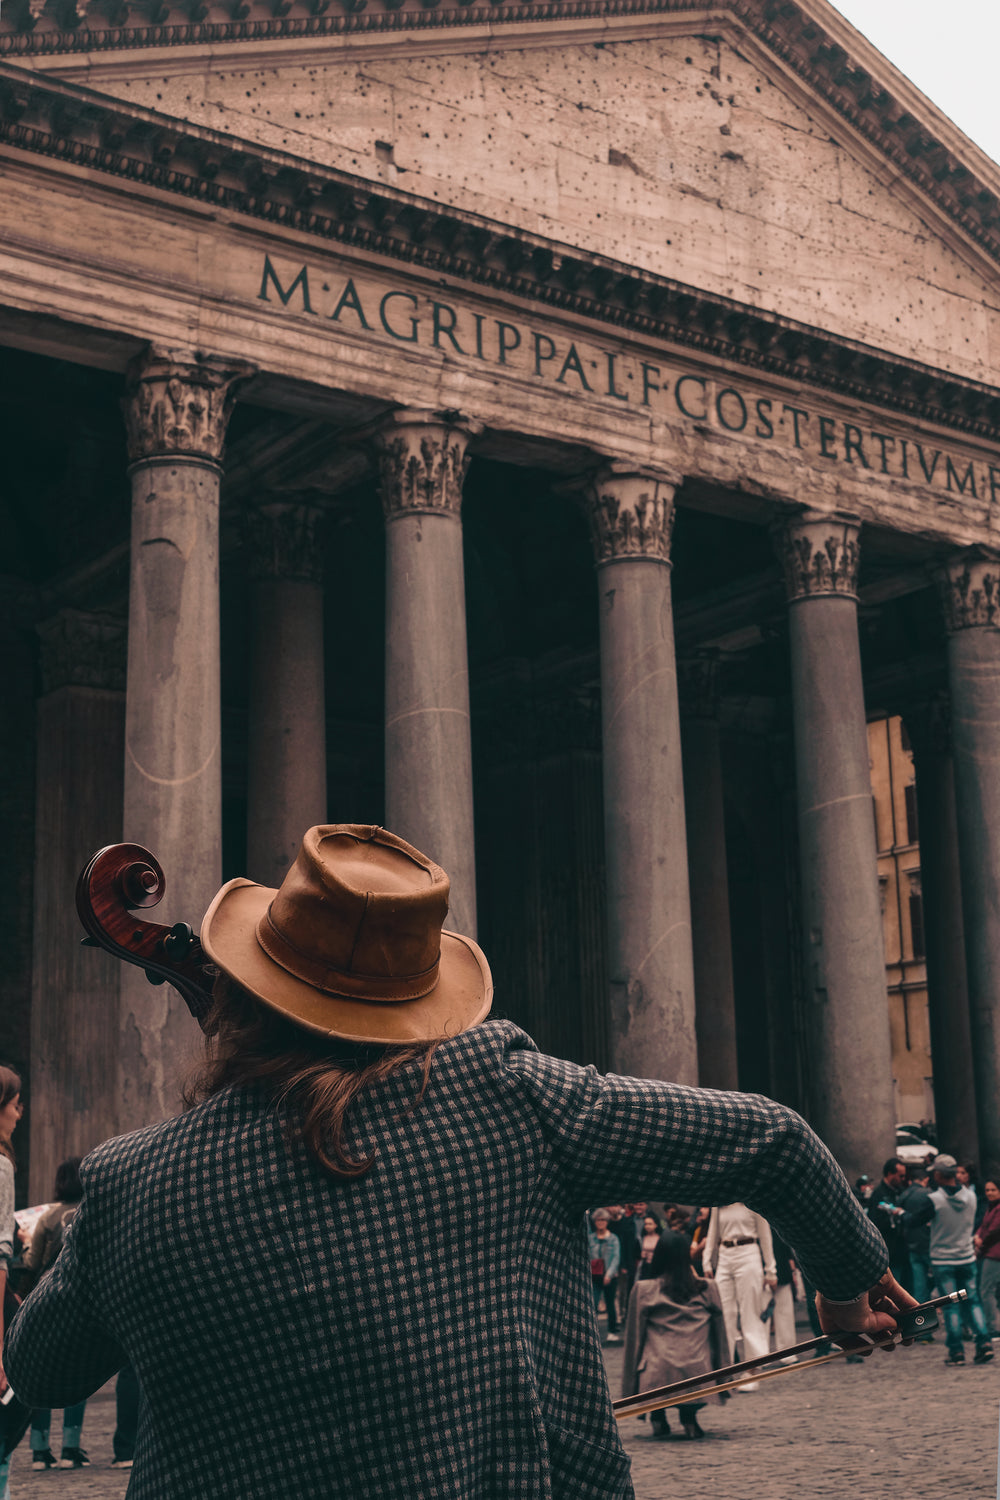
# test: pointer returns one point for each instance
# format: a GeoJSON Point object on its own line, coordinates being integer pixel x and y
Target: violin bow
{"type": "Point", "coordinates": [911, 1323]}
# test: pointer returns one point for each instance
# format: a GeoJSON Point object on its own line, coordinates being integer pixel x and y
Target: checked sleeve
{"type": "Point", "coordinates": [58, 1349]}
{"type": "Point", "coordinates": [614, 1139]}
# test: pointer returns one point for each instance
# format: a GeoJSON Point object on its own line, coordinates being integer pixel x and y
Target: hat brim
{"type": "Point", "coordinates": [461, 998]}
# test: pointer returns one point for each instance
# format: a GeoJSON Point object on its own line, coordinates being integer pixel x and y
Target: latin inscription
{"type": "Point", "coordinates": [575, 365]}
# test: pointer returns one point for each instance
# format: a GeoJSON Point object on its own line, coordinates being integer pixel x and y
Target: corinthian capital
{"type": "Point", "coordinates": [423, 461]}
{"type": "Point", "coordinates": [284, 540]}
{"type": "Point", "coordinates": [969, 585]}
{"type": "Point", "coordinates": [631, 514]}
{"type": "Point", "coordinates": [179, 406]}
{"type": "Point", "coordinates": [820, 554]}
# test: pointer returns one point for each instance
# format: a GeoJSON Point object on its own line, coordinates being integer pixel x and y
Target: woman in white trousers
{"type": "Point", "coordinates": [739, 1254]}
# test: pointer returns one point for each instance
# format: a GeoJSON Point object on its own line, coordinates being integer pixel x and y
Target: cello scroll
{"type": "Point", "coordinates": [121, 880]}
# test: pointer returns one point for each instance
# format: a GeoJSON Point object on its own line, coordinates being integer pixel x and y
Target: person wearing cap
{"type": "Point", "coordinates": [950, 1210]}
{"type": "Point", "coordinates": [353, 1079]}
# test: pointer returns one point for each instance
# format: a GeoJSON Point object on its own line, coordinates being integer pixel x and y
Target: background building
{"type": "Point", "coordinates": [898, 841]}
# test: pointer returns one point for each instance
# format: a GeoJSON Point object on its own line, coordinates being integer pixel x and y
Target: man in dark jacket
{"type": "Point", "coordinates": [917, 1234]}
{"type": "Point", "coordinates": [880, 1210]}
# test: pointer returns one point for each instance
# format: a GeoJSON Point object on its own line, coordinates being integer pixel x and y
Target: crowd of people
{"type": "Point", "coordinates": [688, 1285]}
{"type": "Point", "coordinates": [942, 1228]}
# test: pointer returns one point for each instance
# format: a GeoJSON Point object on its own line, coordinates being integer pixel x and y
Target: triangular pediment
{"type": "Point", "coordinates": [700, 158]}
{"type": "Point", "coordinates": [724, 161]}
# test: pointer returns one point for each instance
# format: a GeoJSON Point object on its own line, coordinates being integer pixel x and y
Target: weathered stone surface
{"type": "Point", "coordinates": [286, 722]}
{"type": "Point", "coordinates": [176, 406]}
{"type": "Point", "coordinates": [851, 1104]}
{"type": "Point", "coordinates": [974, 689]}
{"type": "Point", "coordinates": [650, 960]}
{"type": "Point", "coordinates": [674, 153]}
{"type": "Point", "coordinates": [173, 729]}
{"type": "Point", "coordinates": [428, 743]}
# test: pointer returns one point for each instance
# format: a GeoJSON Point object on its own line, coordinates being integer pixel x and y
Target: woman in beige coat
{"type": "Point", "coordinates": [673, 1331]}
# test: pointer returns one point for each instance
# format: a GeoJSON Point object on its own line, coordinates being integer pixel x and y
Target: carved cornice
{"type": "Point", "coordinates": [284, 540]}
{"type": "Point", "coordinates": [82, 649]}
{"type": "Point", "coordinates": [969, 586]}
{"type": "Point", "coordinates": [631, 515]}
{"type": "Point", "coordinates": [873, 106]}
{"type": "Point", "coordinates": [64, 122]}
{"type": "Point", "coordinates": [422, 463]}
{"type": "Point", "coordinates": [179, 408]}
{"type": "Point", "coordinates": [820, 554]}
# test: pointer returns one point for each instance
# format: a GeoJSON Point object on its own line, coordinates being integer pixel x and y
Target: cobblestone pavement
{"type": "Point", "coordinates": [898, 1427]}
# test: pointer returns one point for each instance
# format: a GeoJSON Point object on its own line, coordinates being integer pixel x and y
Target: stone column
{"type": "Point", "coordinates": [970, 592]}
{"type": "Point", "coordinates": [176, 411]}
{"type": "Point", "coordinates": [715, 1015]}
{"type": "Point", "coordinates": [78, 808]}
{"type": "Point", "coordinates": [18, 651]}
{"type": "Point", "coordinates": [651, 967]}
{"type": "Point", "coordinates": [428, 744]}
{"type": "Point", "coordinates": [286, 784]}
{"type": "Point", "coordinates": [929, 728]}
{"type": "Point", "coordinates": [847, 1011]}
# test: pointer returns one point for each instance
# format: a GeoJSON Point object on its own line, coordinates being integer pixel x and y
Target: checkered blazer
{"type": "Point", "coordinates": [426, 1331]}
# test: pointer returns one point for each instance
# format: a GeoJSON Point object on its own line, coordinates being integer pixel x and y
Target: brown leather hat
{"type": "Point", "coordinates": [351, 945]}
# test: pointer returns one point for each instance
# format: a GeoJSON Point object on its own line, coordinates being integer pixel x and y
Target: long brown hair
{"type": "Point", "coordinates": [10, 1087]}
{"type": "Point", "coordinates": [671, 1264]}
{"type": "Point", "coordinates": [318, 1078]}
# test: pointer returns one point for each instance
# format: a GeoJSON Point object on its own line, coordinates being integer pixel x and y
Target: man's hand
{"type": "Point", "coordinates": [708, 1273]}
{"type": "Point", "coordinates": [872, 1315]}
{"type": "Point", "coordinates": [771, 1282]}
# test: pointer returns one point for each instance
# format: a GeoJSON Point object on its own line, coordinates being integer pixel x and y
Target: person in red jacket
{"type": "Point", "coordinates": [987, 1247]}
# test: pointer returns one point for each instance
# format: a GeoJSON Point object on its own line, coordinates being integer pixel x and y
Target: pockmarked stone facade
{"type": "Point", "coordinates": [552, 430]}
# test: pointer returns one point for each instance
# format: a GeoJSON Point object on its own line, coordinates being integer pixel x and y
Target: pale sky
{"type": "Point", "coordinates": [948, 48]}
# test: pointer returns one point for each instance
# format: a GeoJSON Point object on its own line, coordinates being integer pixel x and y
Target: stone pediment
{"type": "Point", "coordinates": [776, 160]}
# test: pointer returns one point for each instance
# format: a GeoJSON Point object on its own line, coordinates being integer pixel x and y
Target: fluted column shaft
{"type": "Point", "coordinates": [929, 729]}
{"type": "Point", "coordinates": [970, 589]}
{"type": "Point", "coordinates": [850, 1072]}
{"type": "Point", "coordinates": [428, 739]}
{"type": "Point", "coordinates": [286, 730]}
{"type": "Point", "coordinates": [176, 411]}
{"type": "Point", "coordinates": [715, 1018]}
{"type": "Point", "coordinates": [649, 910]}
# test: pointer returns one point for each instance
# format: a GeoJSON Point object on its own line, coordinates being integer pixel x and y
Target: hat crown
{"type": "Point", "coordinates": [360, 912]}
